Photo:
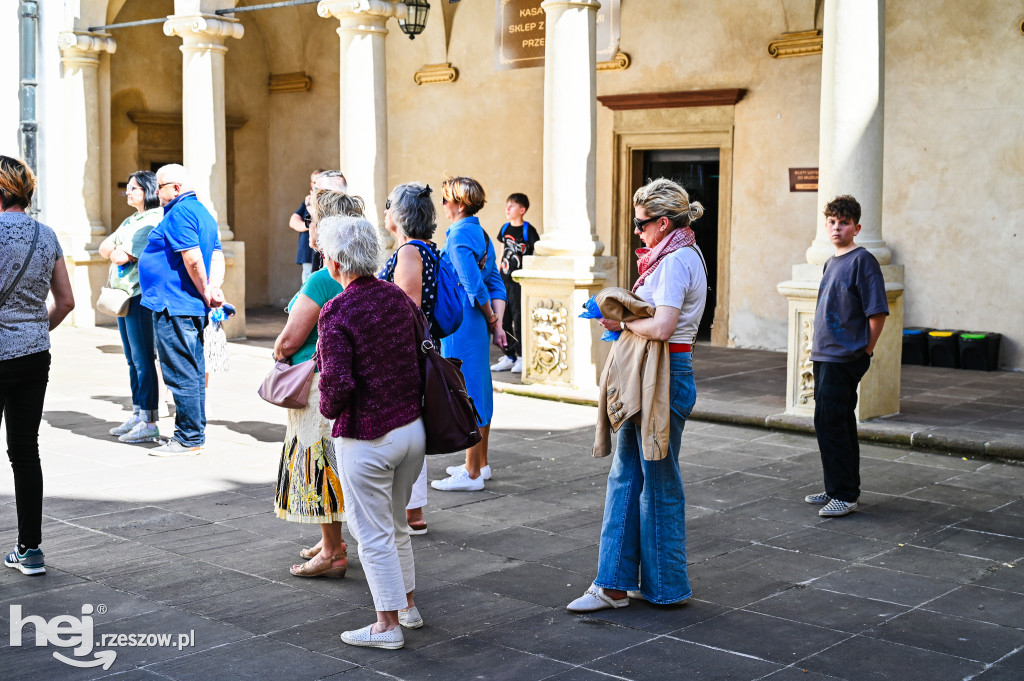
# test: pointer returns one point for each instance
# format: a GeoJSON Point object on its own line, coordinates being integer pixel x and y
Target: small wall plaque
{"type": "Point", "coordinates": [803, 179]}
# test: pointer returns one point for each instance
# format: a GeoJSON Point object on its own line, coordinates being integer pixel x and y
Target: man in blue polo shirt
{"type": "Point", "coordinates": [173, 269]}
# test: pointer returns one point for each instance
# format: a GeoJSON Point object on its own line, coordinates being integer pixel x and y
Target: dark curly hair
{"type": "Point", "coordinates": [844, 206]}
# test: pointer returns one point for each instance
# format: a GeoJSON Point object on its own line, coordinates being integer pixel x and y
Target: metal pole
{"type": "Point", "coordinates": [127, 24]}
{"type": "Point", "coordinates": [28, 21]}
{"type": "Point", "coordinates": [256, 8]}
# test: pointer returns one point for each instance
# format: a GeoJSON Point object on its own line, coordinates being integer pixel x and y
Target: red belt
{"type": "Point", "coordinates": [680, 347]}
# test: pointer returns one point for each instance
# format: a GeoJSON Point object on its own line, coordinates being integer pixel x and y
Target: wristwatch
{"type": "Point", "coordinates": [623, 325]}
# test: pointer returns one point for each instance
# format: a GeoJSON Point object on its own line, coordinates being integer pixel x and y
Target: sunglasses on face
{"type": "Point", "coordinates": [638, 224]}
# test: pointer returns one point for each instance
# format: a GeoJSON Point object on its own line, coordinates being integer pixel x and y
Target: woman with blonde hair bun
{"type": "Point", "coordinates": [643, 536]}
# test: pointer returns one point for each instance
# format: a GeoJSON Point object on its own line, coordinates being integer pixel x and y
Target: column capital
{"type": "Point", "coordinates": [207, 29]}
{"type": "Point", "coordinates": [84, 47]}
{"type": "Point", "coordinates": [362, 15]}
{"type": "Point", "coordinates": [548, 5]}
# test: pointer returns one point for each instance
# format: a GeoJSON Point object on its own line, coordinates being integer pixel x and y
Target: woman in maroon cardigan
{"type": "Point", "coordinates": [371, 387]}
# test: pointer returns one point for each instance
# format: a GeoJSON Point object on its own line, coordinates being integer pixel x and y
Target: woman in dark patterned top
{"type": "Point", "coordinates": [371, 388]}
{"type": "Point", "coordinates": [26, 276]}
{"type": "Point", "coordinates": [409, 216]}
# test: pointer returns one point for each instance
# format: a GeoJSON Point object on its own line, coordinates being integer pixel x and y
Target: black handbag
{"type": "Point", "coordinates": [449, 415]}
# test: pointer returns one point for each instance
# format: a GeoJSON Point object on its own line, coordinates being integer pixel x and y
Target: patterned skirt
{"type": "Point", "coordinates": [308, 488]}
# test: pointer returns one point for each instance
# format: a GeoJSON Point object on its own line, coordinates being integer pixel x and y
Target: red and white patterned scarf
{"type": "Point", "coordinates": [648, 259]}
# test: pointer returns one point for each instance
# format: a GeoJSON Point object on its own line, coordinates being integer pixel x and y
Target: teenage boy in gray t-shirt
{"type": "Point", "coordinates": [847, 323]}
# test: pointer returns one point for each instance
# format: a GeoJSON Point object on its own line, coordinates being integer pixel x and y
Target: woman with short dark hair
{"type": "Point", "coordinates": [410, 217]}
{"type": "Point", "coordinates": [122, 249]}
{"type": "Point", "coordinates": [31, 266]}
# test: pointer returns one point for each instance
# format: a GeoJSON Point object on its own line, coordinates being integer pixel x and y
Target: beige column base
{"type": "Point", "coordinates": [234, 286]}
{"type": "Point", "coordinates": [879, 392]}
{"type": "Point", "coordinates": [560, 350]}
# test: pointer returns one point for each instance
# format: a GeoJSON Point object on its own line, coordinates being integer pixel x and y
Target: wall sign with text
{"type": "Point", "coordinates": [519, 33]}
{"type": "Point", "coordinates": [803, 179]}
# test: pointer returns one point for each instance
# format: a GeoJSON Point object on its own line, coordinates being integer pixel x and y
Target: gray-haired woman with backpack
{"type": "Point", "coordinates": [410, 217]}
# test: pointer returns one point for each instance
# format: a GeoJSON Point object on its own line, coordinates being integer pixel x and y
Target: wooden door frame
{"type": "Point", "coordinates": [627, 168]}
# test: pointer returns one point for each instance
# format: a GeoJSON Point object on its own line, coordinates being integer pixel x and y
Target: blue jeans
{"type": "Point", "coordinates": [179, 342]}
{"type": "Point", "coordinates": [643, 537]}
{"type": "Point", "coordinates": [136, 329]}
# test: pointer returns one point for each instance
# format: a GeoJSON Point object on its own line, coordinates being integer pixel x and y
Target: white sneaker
{"type": "Point", "coordinates": [126, 426]}
{"type": "Point", "coordinates": [485, 472]}
{"type": "Point", "coordinates": [391, 640]}
{"type": "Point", "coordinates": [142, 432]}
{"type": "Point", "coordinates": [410, 618]}
{"type": "Point", "coordinates": [459, 482]}
{"type": "Point", "coordinates": [503, 364]}
{"type": "Point", "coordinates": [517, 366]}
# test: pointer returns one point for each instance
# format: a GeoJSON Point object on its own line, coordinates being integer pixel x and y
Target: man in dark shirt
{"type": "Point", "coordinates": [850, 314]}
{"type": "Point", "coordinates": [299, 221]}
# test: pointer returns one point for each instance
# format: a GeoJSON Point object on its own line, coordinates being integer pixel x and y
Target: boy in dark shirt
{"type": "Point", "coordinates": [518, 237]}
{"type": "Point", "coordinates": [850, 314]}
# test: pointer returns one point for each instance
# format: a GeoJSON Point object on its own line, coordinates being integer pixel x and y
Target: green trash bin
{"type": "Point", "coordinates": [979, 351]}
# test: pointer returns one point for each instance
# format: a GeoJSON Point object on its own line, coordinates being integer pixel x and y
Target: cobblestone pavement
{"type": "Point", "coordinates": [925, 582]}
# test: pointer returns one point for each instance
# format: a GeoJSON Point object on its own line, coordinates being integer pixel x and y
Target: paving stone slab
{"type": "Point", "coordinates": [524, 543]}
{"type": "Point", "coordinates": [828, 609]}
{"type": "Point", "coordinates": [468, 658]}
{"type": "Point", "coordinates": [956, 636]}
{"type": "Point", "coordinates": [541, 584]}
{"type": "Point", "coordinates": [463, 610]}
{"type": "Point", "coordinates": [247, 659]}
{"type": "Point", "coordinates": [669, 658]}
{"type": "Point", "coordinates": [982, 604]}
{"type": "Point", "coordinates": [864, 659]}
{"type": "Point", "coordinates": [820, 541]}
{"type": "Point", "coordinates": [885, 585]}
{"type": "Point", "coordinates": [933, 563]}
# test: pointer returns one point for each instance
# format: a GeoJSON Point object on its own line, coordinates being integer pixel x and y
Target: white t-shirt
{"type": "Point", "coordinates": [679, 282]}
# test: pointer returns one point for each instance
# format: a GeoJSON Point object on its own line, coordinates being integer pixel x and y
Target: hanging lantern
{"type": "Point", "coordinates": [415, 19]}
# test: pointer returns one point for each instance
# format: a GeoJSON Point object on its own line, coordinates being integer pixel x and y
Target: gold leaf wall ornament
{"type": "Point", "coordinates": [297, 81]}
{"type": "Point", "coordinates": [550, 338]}
{"type": "Point", "coordinates": [436, 73]}
{"type": "Point", "coordinates": [797, 44]}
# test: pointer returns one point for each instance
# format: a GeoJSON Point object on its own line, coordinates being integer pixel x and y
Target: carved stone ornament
{"type": "Point", "coordinates": [289, 82]}
{"type": "Point", "coordinates": [550, 338]}
{"type": "Point", "coordinates": [620, 62]}
{"type": "Point", "coordinates": [86, 42]}
{"type": "Point", "coordinates": [380, 8]}
{"type": "Point", "coordinates": [805, 385]}
{"type": "Point", "coordinates": [798, 44]}
{"type": "Point", "coordinates": [436, 73]}
{"type": "Point", "coordinates": [203, 25]}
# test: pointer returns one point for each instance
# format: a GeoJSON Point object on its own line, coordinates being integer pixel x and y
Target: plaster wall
{"type": "Point", "coordinates": [954, 163]}
{"type": "Point", "coordinates": [9, 54]}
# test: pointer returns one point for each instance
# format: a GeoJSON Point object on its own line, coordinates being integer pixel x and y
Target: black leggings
{"type": "Point", "coordinates": [22, 389]}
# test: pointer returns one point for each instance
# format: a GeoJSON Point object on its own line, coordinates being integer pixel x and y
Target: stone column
{"type": "Point", "coordinates": [83, 226]}
{"type": "Point", "coordinates": [204, 135]}
{"type": "Point", "coordinates": [82, 229]}
{"type": "Point", "coordinates": [850, 159]}
{"type": "Point", "coordinates": [363, 124]}
{"type": "Point", "coordinates": [561, 351]}
{"type": "Point", "coordinates": [202, 97]}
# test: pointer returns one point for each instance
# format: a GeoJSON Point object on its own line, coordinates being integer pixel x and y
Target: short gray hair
{"type": "Point", "coordinates": [413, 211]}
{"type": "Point", "coordinates": [351, 242]}
{"type": "Point", "coordinates": [332, 180]}
{"type": "Point", "coordinates": [176, 173]}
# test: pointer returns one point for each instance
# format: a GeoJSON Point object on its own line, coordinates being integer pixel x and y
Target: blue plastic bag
{"type": "Point", "coordinates": [592, 311]}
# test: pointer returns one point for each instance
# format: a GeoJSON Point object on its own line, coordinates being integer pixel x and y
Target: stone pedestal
{"type": "Point", "coordinates": [363, 124]}
{"type": "Point", "coordinates": [879, 393]}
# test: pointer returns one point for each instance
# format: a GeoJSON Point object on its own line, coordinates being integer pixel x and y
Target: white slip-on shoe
{"type": "Point", "coordinates": [596, 599]}
{"type": "Point", "coordinates": [836, 508]}
{"type": "Point", "coordinates": [503, 364]}
{"type": "Point", "coordinates": [410, 618]}
{"type": "Point", "coordinates": [392, 640]}
{"type": "Point", "coordinates": [459, 482]}
{"type": "Point", "coordinates": [517, 367]}
{"type": "Point", "coordinates": [485, 472]}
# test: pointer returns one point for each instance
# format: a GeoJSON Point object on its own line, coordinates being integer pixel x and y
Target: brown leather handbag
{"type": "Point", "coordinates": [449, 415]}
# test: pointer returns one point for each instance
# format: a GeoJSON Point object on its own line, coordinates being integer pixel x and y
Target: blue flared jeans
{"type": "Point", "coordinates": [136, 329]}
{"type": "Point", "coordinates": [643, 537]}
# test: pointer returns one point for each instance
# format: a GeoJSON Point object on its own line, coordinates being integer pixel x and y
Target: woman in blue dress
{"type": "Point", "coordinates": [469, 249]}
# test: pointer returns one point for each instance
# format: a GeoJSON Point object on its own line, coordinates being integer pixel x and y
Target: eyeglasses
{"type": "Point", "coordinates": [387, 204]}
{"type": "Point", "coordinates": [161, 186]}
{"type": "Point", "coordinates": [639, 224]}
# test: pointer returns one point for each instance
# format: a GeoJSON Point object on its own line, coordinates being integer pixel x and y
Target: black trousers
{"type": "Point", "coordinates": [835, 398]}
{"type": "Point", "coordinates": [22, 389]}
{"type": "Point", "coordinates": [512, 322]}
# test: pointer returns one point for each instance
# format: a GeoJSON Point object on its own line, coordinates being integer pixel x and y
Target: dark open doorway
{"type": "Point", "coordinates": [697, 171]}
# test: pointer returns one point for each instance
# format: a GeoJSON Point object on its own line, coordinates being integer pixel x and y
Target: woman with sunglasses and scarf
{"type": "Point", "coordinates": [643, 536]}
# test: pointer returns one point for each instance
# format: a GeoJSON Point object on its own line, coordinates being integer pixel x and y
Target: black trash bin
{"type": "Point", "coordinates": [944, 348]}
{"type": "Point", "coordinates": [915, 346]}
{"type": "Point", "coordinates": [979, 351]}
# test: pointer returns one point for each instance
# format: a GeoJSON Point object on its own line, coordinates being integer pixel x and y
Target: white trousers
{"type": "Point", "coordinates": [377, 478]}
{"type": "Point", "coordinates": [419, 490]}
